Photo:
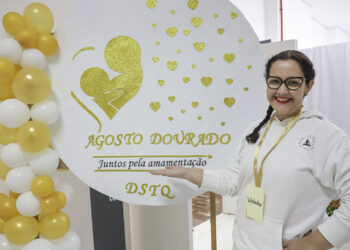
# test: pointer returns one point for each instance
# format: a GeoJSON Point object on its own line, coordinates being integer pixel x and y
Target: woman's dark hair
{"type": "Point", "coordinates": [306, 67]}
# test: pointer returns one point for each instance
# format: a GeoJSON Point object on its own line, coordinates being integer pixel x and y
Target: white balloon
{"type": "Point", "coordinates": [13, 156]}
{"type": "Point", "coordinates": [1, 147]}
{"type": "Point", "coordinates": [13, 113]}
{"type": "Point", "coordinates": [45, 163]}
{"type": "Point", "coordinates": [4, 189]}
{"type": "Point", "coordinates": [28, 205]}
{"type": "Point", "coordinates": [66, 189]}
{"type": "Point", "coordinates": [4, 243]}
{"type": "Point", "coordinates": [39, 244]}
{"type": "Point", "coordinates": [70, 241]}
{"type": "Point", "coordinates": [46, 112]}
{"type": "Point", "coordinates": [19, 179]}
{"type": "Point", "coordinates": [10, 49]}
{"type": "Point", "coordinates": [33, 58]}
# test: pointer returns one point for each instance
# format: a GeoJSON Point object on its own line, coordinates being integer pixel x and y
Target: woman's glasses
{"type": "Point", "coordinates": [292, 83]}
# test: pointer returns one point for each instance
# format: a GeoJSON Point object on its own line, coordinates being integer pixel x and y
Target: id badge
{"type": "Point", "coordinates": [255, 203]}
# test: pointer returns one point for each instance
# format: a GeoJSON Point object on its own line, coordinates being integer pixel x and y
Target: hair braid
{"type": "Point", "coordinates": [254, 136]}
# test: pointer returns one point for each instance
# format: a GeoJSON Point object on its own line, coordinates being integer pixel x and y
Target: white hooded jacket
{"type": "Point", "coordinates": [309, 168]}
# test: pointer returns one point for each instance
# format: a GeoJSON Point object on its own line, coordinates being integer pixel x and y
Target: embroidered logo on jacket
{"type": "Point", "coordinates": [307, 142]}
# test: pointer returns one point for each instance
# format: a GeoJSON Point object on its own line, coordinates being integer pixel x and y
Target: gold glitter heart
{"type": "Point", "coordinates": [229, 101]}
{"type": "Point", "coordinates": [249, 66]}
{"type": "Point", "coordinates": [171, 31]}
{"type": "Point", "coordinates": [194, 66]}
{"type": "Point", "coordinates": [206, 81]}
{"type": "Point", "coordinates": [155, 106]}
{"type": "Point", "coordinates": [216, 15]}
{"type": "Point", "coordinates": [161, 82]}
{"type": "Point", "coordinates": [211, 59]}
{"type": "Point", "coordinates": [186, 32]}
{"type": "Point", "coordinates": [151, 3]}
{"type": "Point", "coordinates": [245, 89]}
{"type": "Point", "coordinates": [229, 81]}
{"type": "Point", "coordinates": [223, 123]}
{"type": "Point", "coordinates": [155, 59]}
{"type": "Point", "coordinates": [199, 117]}
{"type": "Point", "coordinates": [196, 21]}
{"type": "Point", "coordinates": [199, 46]}
{"type": "Point", "coordinates": [234, 15]}
{"type": "Point", "coordinates": [192, 4]}
{"type": "Point", "coordinates": [157, 43]}
{"type": "Point", "coordinates": [240, 40]}
{"type": "Point", "coordinates": [172, 12]}
{"type": "Point", "coordinates": [171, 98]}
{"type": "Point", "coordinates": [172, 65]}
{"type": "Point", "coordinates": [183, 111]}
{"type": "Point", "coordinates": [170, 118]}
{"type": "Point", "coordinates": [195, 104]}
{"type": "Point", "coordinates": [185, 79]}
{"type": "Point", "coordinates": [178, 51]}
{"type": "Point", "coordinates": [211, 108]}
{"type": "Point", "coordinates": [221, 31]}
{"type": "Point", "coordinates": [154, 25]}
{"type": "Point", "coordinates": [229, 57]}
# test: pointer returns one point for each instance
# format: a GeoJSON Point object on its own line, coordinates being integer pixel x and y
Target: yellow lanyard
{"type": "Point", "coordinates": [258, 176]}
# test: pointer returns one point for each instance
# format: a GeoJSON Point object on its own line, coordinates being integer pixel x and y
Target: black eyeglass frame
{"type": "Point", "coordinates": [285, 82]}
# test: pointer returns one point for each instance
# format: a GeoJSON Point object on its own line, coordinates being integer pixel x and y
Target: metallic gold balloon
{"type": "Point", "coordinates": [7, 135]}
{"type": "Point", "coordinates": [61, 199]}
{"type": "Point", "coordinates": [33, 136]}
{"type": "Point", "coordinates": [47, 44]}
{"type": "Point", "coordinates": [38, 17]}
{"type": "Point", "coordinates": [14, 195]}
{"type": "Point", "coordinates": [27, 38]}
{"type": "Point", "coordinates": [42, 186]}
{"type": "Point", "coordinates": [13, 23]}
{"type": "Point", "coordinates": [2, 226]}
{"type": "Point", "coordinates": [49, 204]}
{"type": "Point", "coordinates": [31, 85]}
{"type": "Point", "coordinates": [6, 91]}
{"type": "Point", "coordinates": [7, 70]}
{"type": "Point", "coordinates": [3, 170]}
{"type": "Point", "coordinates": [8, 208]}
{"type": "Point", "coordinates": [20, 230]}
{"type": "Point", "coordinates": [54, 226]}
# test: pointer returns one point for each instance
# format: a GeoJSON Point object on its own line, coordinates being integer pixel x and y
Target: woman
{"type": "Point", "coordinates": [301, 161]}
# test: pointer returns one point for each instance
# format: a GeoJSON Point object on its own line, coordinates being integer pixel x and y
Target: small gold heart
{"type": "Point", "coordinates": [229, 101]}
{"type": "Point", "coordinates": [154, 25]}
{"type": "Point", "coordinates": [186, 32]}
{"type": "Point", "coordinates": [229, 57]}
{"type": "Point", "coordinates": [195, 104]}
{"type": "Point", "coordinates": [240, 40]}
{"type": "Point", "coordinates": [154, 106]}
{"type": "Point", "coordinates": [249, 66]}
{"type": "Point", "coordinates": [245, 89]}
{"type": "Point", "coordinates": [229, 81]}
{"type": "Point", "coordinates": [178, 51]}
{"type": "Point", "coordinates": [161, 82]}
{"type": "Point", "coordinates": [234, 15]}
{"type": "Point", "coordinates": [170, 118]}
{"type": "Point", "coordinates": [172, 12]}
{"type": "Point", "coordinates": [183, 111]}
{"type": "Point", "coordinates": [206, 81]}
{"type": "Point", "coordinates": [171, 98]}
{"type": "Point", "coordinates": [171, 31]}
{"type": "Point", "coordinates": [223, 123]}
{"type": "Point", "coordinates": [151, 3]}
{"type": "Point", "coordinates": [216, 15]}
{"type": "Point", "coordinates": [192, 4]}
{"type": "Point", "coordinates": [194, 66]}
{"type": "Point", "coordinates": [199, 117]}
{"type": "Point", "coordinates": [211, 108]}
{"type": "Point", "coordinates": [155, 59]}
{"type": "Point", "coordinates": [185, 79]}
{"type": "Point", "coordinates": [221, 31]}
{"type": "Point", "coordinates": [199, 46]}
{"type": "Point", "coordinates": [196, 21]}
{"type": "Point", "coordinates": [211, 59]}
{"type": "Point", "coordinates": [157, 43]}
{"type": "Point", "coordinates": [172, 65]}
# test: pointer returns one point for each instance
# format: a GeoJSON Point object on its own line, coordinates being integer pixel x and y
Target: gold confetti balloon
{"type": "Point", "coordinates": [47, 44]}
{"type": "Point", "coordinates": [54, 226]}
{"type": "Point", "coordinates": [8, 208]}
{"type": "Point", "coordinates": [13, 23]}
{"type": "Point", "coordinates": [31, 85]}
{"type": "Point", "coordinates": [33, 136]}
{"type": "Point", "coordinates": [20, 230]}
{"type": "Point", "coordinates": [27, 38]}
{"type": "Point", "coordinates": [42, 186]}
{"type": "Point", "coordinates": [7, 135]}
{"type": "Point", "coordinates": [7, 70]}
{"type": "Point", "coordinates": [39, 18]}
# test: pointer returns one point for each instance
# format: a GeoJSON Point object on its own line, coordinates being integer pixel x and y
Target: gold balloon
{"type": "Point", "coordinates": [49, 205]}
{"type": "Point", "coordinates": [3, 170]}
{"type": "Point", "coordinates": [33, 136]}
{"type": "Point", "coordinates": [2, 226]}
{"type": "Point", "coordinates": [7, 70]}
{"type": "Point", "coordinates": [53, 226]}
{"type": "Point", "coordinates": [47, 44]}
{"type": "Point", "coordinates": [3, 196]}
{"type": "Point", "coordinates": [42, 186]}
{"type": "Point", "coordinates": [31, 85]}
{"type": "Point", "coordinates": [6, 91]}
{"type": "Point", "coordinates": [13, 23]}
{"type": "Point", "coordinates": [20, 230]}
{"type": "Point", "coordinates": [8, 208]}
{"type": "Point", "coordinates": [38, 17]}
{"type": "Point", "coordinates": [7, 135]}
{"type": "Point", "coordinates": [61, 199]}
{"type": "Point", "coordinates": [27, 38]}
{"type": "Point", "coordinates": [14, 195]}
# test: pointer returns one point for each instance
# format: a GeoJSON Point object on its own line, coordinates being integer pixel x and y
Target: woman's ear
{"type": "Point", "coordinates": [309, 87]}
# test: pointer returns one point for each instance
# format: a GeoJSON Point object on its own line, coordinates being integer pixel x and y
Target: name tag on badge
{"type": "Point", "coordinates": [255, 203]}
